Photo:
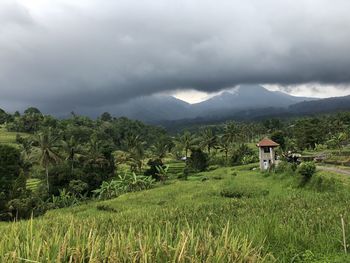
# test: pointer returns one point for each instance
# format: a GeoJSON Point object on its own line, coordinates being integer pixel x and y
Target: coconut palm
{"type": "Point", "coordinates": [208, 139]}
{"type": "Point", "coordinates": [72, 150]}
{"type": "Point", "coordinates": [231, 132]}
{"type": "Point", "coordinates": [224, 146]}
{"type": "Point", "coordinates": [134, 145]}
{"type": "Point", "coordinates": [46, 151]}
{"type": "Point", "coordinates": [160, 148]}
{"type": "Point", "coordinates": [186, 141]}
{"type": "Point", "coordinates": [95, 156]}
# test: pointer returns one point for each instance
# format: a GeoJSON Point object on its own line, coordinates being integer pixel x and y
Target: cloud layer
{"type": "Point", "coordinates": [63, 55]}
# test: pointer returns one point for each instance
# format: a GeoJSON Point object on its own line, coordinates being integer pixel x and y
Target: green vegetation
{"type": "Point", "coordinates": [270, 220]}
{"type": "Point", "coordinates": [118, 190]}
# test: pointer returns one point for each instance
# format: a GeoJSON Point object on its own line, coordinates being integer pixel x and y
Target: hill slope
{"type": "Point", "coordinates": [189, 221]}
{"type": "Point", "coordinates": [161, 107]}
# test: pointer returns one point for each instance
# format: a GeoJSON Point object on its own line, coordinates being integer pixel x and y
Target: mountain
{"type": "Point", "coordinates": [153, 108]}
{"type": "Point", "coordinates": [321, 106]}
{"type": "Point", "coordinates": [245, 97]}
{"type": "Point", "coordinates": [157, 108]}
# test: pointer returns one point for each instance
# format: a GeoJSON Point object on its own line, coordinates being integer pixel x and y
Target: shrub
{"type": "Point", "coordinates": [284, 167]}
{"type": "Point", "coordinates": [243, 155]}
{"type": "Point", "coordinates": [248, 192]}
{"type": "Point", "coordinates": [305, 171]}
{"type": "Point", "coordinates": [106, 208]}
{"type": "Point", "coordinates": [198, 161]}
{"type": "Point", "coordinates": [64, 199]}
{"type": "Point", "coordinates": [77, 187]}
{"type": "Point", "coordinates": [153, 170]}
{"type": "Point", "coordinates": [322, 183]}
{"type": "Point", "coordinates": [124, 184]}
{"type": "Point", "coordinates": [185, 173]}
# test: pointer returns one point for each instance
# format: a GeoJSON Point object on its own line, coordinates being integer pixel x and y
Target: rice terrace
{"type": "Point", "coordinates": [188, 131]}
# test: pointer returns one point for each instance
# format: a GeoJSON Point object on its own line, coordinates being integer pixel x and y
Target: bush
{"type": "Point", "coordinates": [322, 183]}
{"type": "Point", "coordinates": [240, 192]}
{"type": "Point", "coordinates": [244, 155]}
{"type": "Point", "coordinates": [153, 171]}
{"type": "Point", "coordinates": [106, 208]}
{"type": "Point", "coordinates": [9, 172]}
{"type": "Point", "coordinates": [198, 161]}
{"type": "Point", "coordinates": [305, 171]}
{"type": "Point", "coordinates": [77, 187]}
{"type": "Point", "coordinates": [124, 184]}
{"type": "Point", "coordinates": [65, 199]}
{"type": "Point", "coordinates": [285, 167]}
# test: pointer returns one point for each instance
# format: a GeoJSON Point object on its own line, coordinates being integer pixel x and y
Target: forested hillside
{"type": "Point", "coordinates": [200, 184]}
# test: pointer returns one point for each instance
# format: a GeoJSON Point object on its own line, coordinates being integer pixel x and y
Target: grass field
{"type": "Point", "coordinates": [265, 220]}
{"type": "Point", "coordinates": [9, 137]}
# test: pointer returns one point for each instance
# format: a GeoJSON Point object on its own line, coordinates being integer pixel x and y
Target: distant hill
{"type": "Point", "coordinates": [321, 106]}
{"type": "Point", "coordinates": [246, 97]}
{"type": "Point", "coordinates": [157, 108]}
{"type": "Point", "coordinates": [329, 105]}
{"type": "Point", "coordinates": [153, 108]}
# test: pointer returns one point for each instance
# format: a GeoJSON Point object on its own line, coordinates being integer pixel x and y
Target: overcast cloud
{"type": "Point", "coordinates": [62, 55]}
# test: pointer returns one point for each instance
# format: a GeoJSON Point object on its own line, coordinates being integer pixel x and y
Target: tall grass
{"type": "Point", "coordinates": [71, 241]}
{"type": "Point", "coordinates": [190, 221]}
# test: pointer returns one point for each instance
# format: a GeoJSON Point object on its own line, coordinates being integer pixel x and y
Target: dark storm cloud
{"type": "Point", "coordinates": [62, 55]}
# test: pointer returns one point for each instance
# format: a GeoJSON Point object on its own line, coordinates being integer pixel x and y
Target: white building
{"type": "Point", "coordinates": [267, 153]}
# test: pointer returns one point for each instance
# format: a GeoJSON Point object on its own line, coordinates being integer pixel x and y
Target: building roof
{"type": "Point", "coordinates": [267, 143]}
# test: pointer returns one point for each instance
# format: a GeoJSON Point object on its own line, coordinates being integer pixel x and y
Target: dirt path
{"type": "Point", "coordinates": [334, 169]}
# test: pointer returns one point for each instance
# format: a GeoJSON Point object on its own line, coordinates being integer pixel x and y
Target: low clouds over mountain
{"type": "Point", "coordinates": [66, 55]}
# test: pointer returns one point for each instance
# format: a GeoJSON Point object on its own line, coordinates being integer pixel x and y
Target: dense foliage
{"type": "Point", "coordinates": [74, 157]}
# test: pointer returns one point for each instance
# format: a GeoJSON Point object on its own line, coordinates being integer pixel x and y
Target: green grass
{"type": "Point", "coordinates": [9, 137]}
{"type": "Point", "coordinates": [190, 221]}
{"type": "Point", "coordinates": [33, 184]}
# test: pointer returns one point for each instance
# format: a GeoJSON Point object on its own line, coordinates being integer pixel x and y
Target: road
{"type": "Point", "coordinates": [334, 169]}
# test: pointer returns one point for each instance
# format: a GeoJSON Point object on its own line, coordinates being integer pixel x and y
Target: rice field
{"type": "Point", "coordinates": [234, 215]}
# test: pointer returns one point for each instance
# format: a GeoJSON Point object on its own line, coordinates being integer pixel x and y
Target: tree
{"type": "Point", "coordinates": [161, 148]}
{"type": "Point", "coordinates": [208, 139]}
{"type": "Point", "coordinates": [231, 132]}
{"type": "Point", "coordinates": [10, 163]}
{"type": "Point", "coordinates": [134, 145]}
{"type": "Point", "coordinates": [106, 116]}
{"type": "Point", "coordinates": [32, 110]}
{"type": "Point", "coordinates": [186, 141]}
{"type": "Point", "coordinates": [3, 116]}
{"type": "Point", "coordinates": [46, 151]}
{"type": "Point", "coordinates": [224, 146]}
{"type": "Point", "coordinates": [71, 149]}
{"type": "Point", "coordinates": [279, 137]}
{"type": "Point", "coordinates": [337, 141]}
{"type": "Point", "coordinates": [198, 161]}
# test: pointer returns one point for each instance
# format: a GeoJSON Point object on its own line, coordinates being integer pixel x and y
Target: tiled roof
{"type": "Point", "coordinates": [267, 143]}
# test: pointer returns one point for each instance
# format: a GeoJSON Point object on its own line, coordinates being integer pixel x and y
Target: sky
{"type": "Point", "coordinates": [62, 55]}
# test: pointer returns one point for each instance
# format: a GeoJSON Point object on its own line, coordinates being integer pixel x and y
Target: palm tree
{"type": "Point", "coordinates": [95, 156]}
{"type": "Point", "coordinates": [224, 146]}
{"type": "Point", "coordinates": [338, 140]}
{"type": "Point", "coordinates": [72, 149]}
{"type": "Point", "coordinates": [160, 148]}
{"type": "Point", "coordinates": [135, 147]}
{"type": "Point", "coordinates": [46, 151]}
{"type": "Point", "coordinates": [231, 132]}
{"type": "Point", "coordinates": [208, 139]}
{"type": "Point", "coordinates": [186, 141]}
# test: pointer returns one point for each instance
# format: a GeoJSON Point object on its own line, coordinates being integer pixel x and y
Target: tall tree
{"type": "Point", "coordinates": [71, 150]}
{"type": "Point", "coordinates": [46, 151]}
{"type": "Point", "coordinates": [224, 146]}
{"type": "Point", "coordinates": [208, 139]}
{"type": "Point", "coordinates": [186, 141]}
{"type": "Point", "coordinates": [231, 132]}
